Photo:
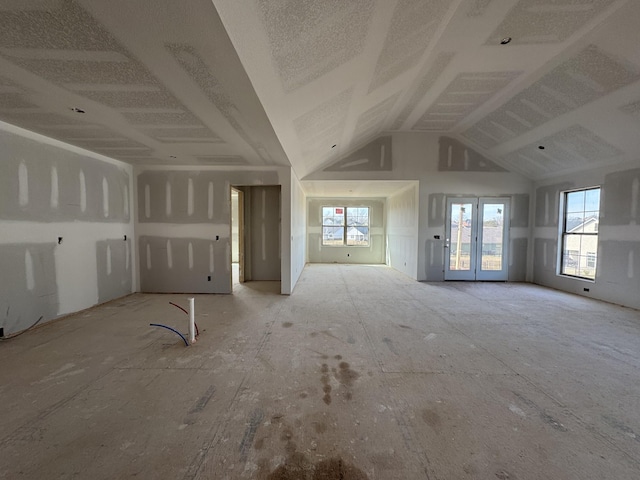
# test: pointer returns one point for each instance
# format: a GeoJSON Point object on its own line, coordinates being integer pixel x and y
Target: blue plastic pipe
{"type": "Point", "coordinates": [173, 330]}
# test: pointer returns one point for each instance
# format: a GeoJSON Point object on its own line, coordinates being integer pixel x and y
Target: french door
{"type": "Point", "coordinates": [477, 238]}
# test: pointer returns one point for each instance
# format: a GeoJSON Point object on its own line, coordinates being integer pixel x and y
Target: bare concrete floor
{"type": "Point", "coordinates": [360, 374]}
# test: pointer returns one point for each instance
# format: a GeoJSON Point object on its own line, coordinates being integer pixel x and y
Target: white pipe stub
{"type": "Point", "coordinates": [192, 321]}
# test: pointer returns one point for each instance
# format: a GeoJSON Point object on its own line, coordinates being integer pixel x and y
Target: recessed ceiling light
{"type": "Point", "coordinates": [505, 40]}
{"type": "Point", "coordinates": [541, 147]}
{"type": "Point", "coordinates": [76, 110]}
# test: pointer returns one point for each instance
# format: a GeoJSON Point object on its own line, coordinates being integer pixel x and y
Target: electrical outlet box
{"type": "Point", "coordinates": [586, 289]}
{"type": "Point", "coordinates": [209, 278]}
{"type": "Point", "coordinates": [1, 332]}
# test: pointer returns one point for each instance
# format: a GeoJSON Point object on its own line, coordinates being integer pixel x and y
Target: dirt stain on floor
{"type": "Point", "coordinates": [297, 467]}
{"type": "Point", "coordinates": [431, 418]}
{"type": "Point", "coordinates": [287, 324]}
{"type": "Point", "coordinates": [326, 386]}
{"type": "Point", "coordinates": [346, 376]}
{"type": "Point", "coordinates": [320, 427]}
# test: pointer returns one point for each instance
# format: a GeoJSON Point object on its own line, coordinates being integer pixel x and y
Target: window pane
{"type": "Point", "coordinates": [357, 216]}
{"type": "Point", "coordinates": [332, 235]}
{"type": "Point", "coordinates": [575, 202]}
{"type": "Point", "coordinates": [579, 256]}
{"type": "Point", "coordinates": [358, 236]}
{"type": "Point", "coordinates": [492, 235]}
{"type": "Point", "coordinates": [575, 222]}
{"type": "Point", "coordinates": [460, 242]}
{"type": "Point", "coordinates": [592, 199]}
{"type": "Point", "coordinates": [580, 236]}
{"type": "Point", "coordinates": [332, 215]}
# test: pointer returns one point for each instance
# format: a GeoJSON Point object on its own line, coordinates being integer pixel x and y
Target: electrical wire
{"type": "Point", "coordinates": [176, 305]}
{"type": "Point", "coordinates": [173, 330]}
{"type": "Point", "coordinates": [14, 335]}
{"type": "Point", "coordinates": [196, 325]}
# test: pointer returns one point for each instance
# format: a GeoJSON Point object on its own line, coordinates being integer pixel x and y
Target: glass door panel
{"type": "Point", "coordinates": [476, 238]}
{"type": "Point", "coordinates": [461, 239]}
{"type": "Point", "coordinates": [492, 238]}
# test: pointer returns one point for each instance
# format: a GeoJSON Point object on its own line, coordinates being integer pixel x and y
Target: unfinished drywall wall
{"type": "Point", "coordinates": [184, 226]}
{"type": "Point", "coordinates": [434, 250]}
{"type": "Point", "coordinates": [417, 156]}
{"type": "Point", "coordinates": [402, 231]}
{"type": "Point", "coordinates": [376, 155]}
{"type": "Point", "coordinates": [64, 215]}
{"type": "Point", "coordinates": [29, 288]}
{"type": "Point", "coordinates": [374, 253]}
{"type": "Point", "coordinates": [455, 156]}
{"type": "Point", "coordinates": [113, 263]}
{"type": "Point", "coordinates": [618, 257]}
{"type": "Point", "coordinates": [59, 187]}
{"type": "Point", "coordinates": [265, 243]}
{"type": "Point", "coordinates": [298, 229]}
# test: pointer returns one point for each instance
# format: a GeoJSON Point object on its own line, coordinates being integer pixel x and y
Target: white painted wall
{"type": "Point", "coordinates": [402, 231]}
{"type": "Point", "coordinates": [618, 265]}
{"type": "Point", "coordinates": [45, 212]}
{"type": "Point", "coordinates": [298, 229]}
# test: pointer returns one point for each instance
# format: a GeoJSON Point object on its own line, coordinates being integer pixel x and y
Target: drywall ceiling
{"type": "Point", "coordinates": [266, 82]}
{"type": "Point", "coordinates": [159, 81]}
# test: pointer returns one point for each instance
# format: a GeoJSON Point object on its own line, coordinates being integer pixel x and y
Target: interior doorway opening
{"type": "Point", "coordinates": [237, 236]}
{"type": "Point", "coordinates": [255, 253]}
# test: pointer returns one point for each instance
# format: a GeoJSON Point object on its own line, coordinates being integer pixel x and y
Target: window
{"type": "Point", "coordinates": [345, 226]}
{"type": "Point", "coordinates": [579, 235]}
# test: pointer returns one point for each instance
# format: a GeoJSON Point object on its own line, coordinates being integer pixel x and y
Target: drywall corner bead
{"type": "Point", "coordinates": [28, 287]}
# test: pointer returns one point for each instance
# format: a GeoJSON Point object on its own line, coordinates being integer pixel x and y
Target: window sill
{"type": "Point", "coordinates": [573, 277]}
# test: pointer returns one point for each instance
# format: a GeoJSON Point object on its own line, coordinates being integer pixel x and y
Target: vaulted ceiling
{"type": "Point", "coordinates": [305, 82]}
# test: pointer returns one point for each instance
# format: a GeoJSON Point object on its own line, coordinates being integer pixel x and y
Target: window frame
{"type": "Point", "coordinates": [563, 233]}
{"type": "Point", "coordinates": [345, 225]}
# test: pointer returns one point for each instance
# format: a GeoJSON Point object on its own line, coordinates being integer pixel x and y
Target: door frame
{"type": "Point", "coordinates": [460, 274]}
{"type": "Point", "coordinates": [241, 235]}
{"type": "Point", "coordinates": [475, 272]}
{"type": "Point", "coordinates": [494, 275]}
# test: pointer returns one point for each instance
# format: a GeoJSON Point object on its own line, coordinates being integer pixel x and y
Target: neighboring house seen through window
{"type": "Point", "coordinates": [579, 236]}
{"type": "Point", "coordinates": [345, 226]}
